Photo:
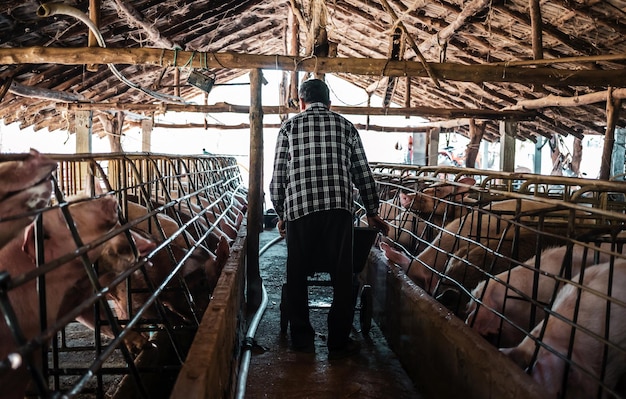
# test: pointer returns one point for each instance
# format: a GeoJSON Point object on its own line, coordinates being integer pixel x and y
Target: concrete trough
{"type": "Point", "coordinates": [443, 357]}
{"type": "Point", "coordinates": [211, 367]}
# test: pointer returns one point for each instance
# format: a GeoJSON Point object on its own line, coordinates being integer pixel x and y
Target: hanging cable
{"type": "Point", "coordinates": [49, 9]}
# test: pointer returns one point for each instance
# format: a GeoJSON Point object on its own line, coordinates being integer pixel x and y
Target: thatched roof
{"type": "Point", "coordinates": [463, 55]}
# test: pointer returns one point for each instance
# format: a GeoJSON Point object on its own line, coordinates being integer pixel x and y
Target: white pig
{"type": "Point", "coordinates": [520, 281]}
{"type": "Point", "coordinates": [588, 351]}
{"type": "Point", "coordinates": [491, 229]}
{"type": "Point", "coordinates": [92, 219]}
{"type": "Point", "coordinates": [24, 186]}
{"type": "Point", "coordinates": [423, 209]}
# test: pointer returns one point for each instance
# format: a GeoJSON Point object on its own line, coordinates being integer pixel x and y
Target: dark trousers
{"type": "Point", "coordinates": [320, 242]}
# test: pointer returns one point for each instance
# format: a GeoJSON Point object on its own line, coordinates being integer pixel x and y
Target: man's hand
{"type": "Point", "coordinates": [377, 222]}
{"type": "Point", "coordinates": [281, 228]}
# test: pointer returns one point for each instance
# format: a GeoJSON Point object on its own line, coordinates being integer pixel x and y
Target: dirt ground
{"type": "Point", "coordinates": [276, 372]}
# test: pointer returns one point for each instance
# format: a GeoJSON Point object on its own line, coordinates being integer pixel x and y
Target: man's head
{"type": "Point", "coordinates": [314, 91]}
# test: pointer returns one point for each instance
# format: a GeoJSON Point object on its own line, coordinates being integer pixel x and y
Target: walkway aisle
{"type": "Point", "coordinates": [279, 373]}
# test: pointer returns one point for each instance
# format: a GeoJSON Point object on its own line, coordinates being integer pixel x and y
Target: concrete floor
{"type": "Point", "coordinates": [276, 372]}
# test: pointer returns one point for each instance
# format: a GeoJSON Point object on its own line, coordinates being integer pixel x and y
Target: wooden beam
{"type": "Point", "coordinates": [507, 146]}
{"type": "Point", "coordinates": [360, 126]}
{"type": "Point", "coordinates": [414, 46]}
{"type": "Point", "coordinates": [356, 66]}
{"type": "Point", "coordinates": [536, 25]}
{"type": "Point", "coordinates": [44, 94]}
{"type": "Point", "coordinates": [448, 113]}
{"type": "Point", "coordinates": [576, 101]}
{"type": "Point", "coordinates": [613, 106]}
{"type": "Point", "coordinates": [255, 192]}
{"type": "Point", "coordinates": [134, 18]}
{"type": "Point", "coordinates": [94, 16]}
{"type": "Point", "coordinates": [476, 132]}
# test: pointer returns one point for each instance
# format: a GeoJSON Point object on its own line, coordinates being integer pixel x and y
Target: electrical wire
{"type": "Point", "coordinates": [49, 9]}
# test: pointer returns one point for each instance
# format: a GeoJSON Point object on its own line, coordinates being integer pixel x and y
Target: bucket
{"type": "Point", "coordinates": [363, 240]}
{"type": "Point", "coordinates": [270, 219]}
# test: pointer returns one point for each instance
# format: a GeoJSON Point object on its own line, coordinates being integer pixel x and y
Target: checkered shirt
{"type": "Point", "coordinates": [319, 159]}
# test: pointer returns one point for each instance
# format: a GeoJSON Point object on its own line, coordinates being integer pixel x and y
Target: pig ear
{"type": "Point", "coordinates": [223, 249]}
{"type": "Point", "coordinates": [29, 241]}
{"type": "Point", "coordinates": [143, 244]}
{"type": "Point", "coordinates": [92, 181]}
{"type": "Point", "coordinates": [466, 180]}
{"type": "Point", "coordinates": [517, 355]}
{"type": "Point", "coordinates": [406, 199]}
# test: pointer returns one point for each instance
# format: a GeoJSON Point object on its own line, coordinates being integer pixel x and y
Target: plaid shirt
{"type": "Point", "coordinates": [319, 159]}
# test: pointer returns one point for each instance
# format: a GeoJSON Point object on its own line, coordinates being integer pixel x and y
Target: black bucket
{"type": "Point", "coordinates": [364, 238]}
{"type": "Point", "coordinates": [270, 219]}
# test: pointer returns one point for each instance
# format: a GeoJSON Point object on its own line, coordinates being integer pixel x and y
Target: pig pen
{"type": "Point", "coordinates": [147, 251]}
{"type": "Point", "coordinates": [447, 332]}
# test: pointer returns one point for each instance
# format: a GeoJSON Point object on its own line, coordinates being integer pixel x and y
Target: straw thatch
{"type": "Point", "coordinates": [446, 38]}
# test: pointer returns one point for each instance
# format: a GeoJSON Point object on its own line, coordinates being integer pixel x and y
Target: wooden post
{"type": "Point", "coordinates": [433, 146]}
{"type": "Point", "coordinates": [83, 124]}
{"type": "Point", "coordinates": [115, 132]}
{"type": "Point", "coordinates": [577, 156]}
{"type": "Point", "coordinates": [94, 16]}
{"type": "Point", "coordinates": [507, 145]}
{"type": "Point", "coordinates": [294, 49]}
{"type": "Point", "coordinates": [619, 153]}
{"type": "Point", "coordinates": [476, 133]}
{"type": "Point", "coordinates": [255, 191]}
{"type": "Point", "coordinates": [146, 134]}
{"type": "Point", "coordinates": [612, 113]}
{"type": "Point", "coordinates": [537, 27]}
{"type": "Point", "coordinates": [538, 147]}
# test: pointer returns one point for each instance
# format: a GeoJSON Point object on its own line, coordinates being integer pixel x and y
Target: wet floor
{"type": "Point", "coordinates": [276, 372]}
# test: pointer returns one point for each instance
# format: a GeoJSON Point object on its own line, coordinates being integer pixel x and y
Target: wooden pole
{"type": "Point", "coordinates": [83, 124]}
{"type": "Point", "coordinates": [448, 113]}
{"type": "Point", "coordinates": [355, 66]}
{"type": "Point", "coordinates": [537, 26]}
{"type": "Point", "coordinates": [146, 134]}
{"type": "Point", "coordinates": [94, 16]}
{"type": "Point", "coordinates": [433, 146]}
{"type": "Point", "coordinates": [613, 106]}
{"type": "Point", "coordinates": [476, 132]}
{"type": "Point", "coordinates": [255, 192]}
{"type": "Point", "coordinates": [394, 17]}
{"type": "Point", "coordinates": [507, 146]}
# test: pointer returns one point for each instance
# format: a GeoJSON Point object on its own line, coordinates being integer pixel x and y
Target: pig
{"type": "Point", "coordinates": [117, 256]}
{"type": "Point", "coordinates": [432, 200]}
{"type": "Point", "coordinates": [520, 280]}
{"type": "Point", "coordinates": [92, 219]}
{"type": "Point", "coordinates": [187, 211]}
{"type": "Point", "coordinates": [472, 263]}
{"type": "Point", "coordinates": [25, 185]}
{"type": "Point", "coordinates": [433, 260]}
{"type": "Point", "coordinates": [414, 227]}
{"type": "Point", "coordinates": [200, 272]}
{"type": "Point", "coordinates": [587, 354]}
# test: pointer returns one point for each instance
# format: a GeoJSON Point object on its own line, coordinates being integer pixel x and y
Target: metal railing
{"type": "Point", "coordinates": [143, 281]}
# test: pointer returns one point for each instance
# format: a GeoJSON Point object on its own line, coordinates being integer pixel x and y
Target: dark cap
{"type": "Point", "coordinates": [314, 91]}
